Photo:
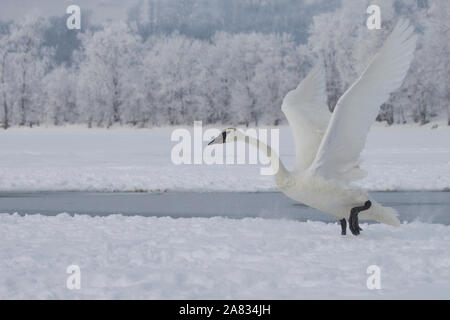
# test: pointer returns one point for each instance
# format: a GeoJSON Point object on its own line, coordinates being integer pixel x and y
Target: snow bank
{"type": "Point", "coordinates": [77, 159]}
{"type": "Point", "coordinates": [135, 257]}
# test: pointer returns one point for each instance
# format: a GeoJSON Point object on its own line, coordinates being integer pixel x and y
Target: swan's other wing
{"type": "Point", "coordinates": [308, 115]}
{"type": "Point", "coordinates": [356, 110]}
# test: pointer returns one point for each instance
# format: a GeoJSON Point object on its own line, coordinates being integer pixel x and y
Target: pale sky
{"type": "Point", "coordinates": [102, 10]}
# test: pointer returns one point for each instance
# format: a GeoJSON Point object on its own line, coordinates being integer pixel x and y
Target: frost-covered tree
{"type": "Point", "coordinates": [255, 72]}
{"type": "Point", "coordinates": [60, 96]}
{"type": "Point", "coordinates": [174, 64]}
{"type": "Point", "coordinates": [276, 74]}
{"type": "Point", "coordinates": [108, 64]}
{"type": "Point", "coordinates": [437, 42]}
{"type": "Point", "coordinates": [343, 42]}
{"type": "Point", "coordinates": [5, 86]}
{"type": "Point", "coordinates": [230, 62]}
{"type": "Point", "coordinates": [215, 81]}
{"type": "Point", "coordinates": [202, 19]}
{"type": "Point", "coordinates": [24, 64]}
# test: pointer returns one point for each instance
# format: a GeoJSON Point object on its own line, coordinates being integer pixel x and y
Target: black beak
{"type": "Point", "coordinates": [219, 138]}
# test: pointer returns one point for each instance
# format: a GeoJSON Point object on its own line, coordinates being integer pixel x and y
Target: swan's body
{"type": "Point", "coordinates": [328, 146]}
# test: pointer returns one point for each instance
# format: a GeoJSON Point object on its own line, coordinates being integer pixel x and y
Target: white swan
{"type": "Point", "coordinates": [328, 146]}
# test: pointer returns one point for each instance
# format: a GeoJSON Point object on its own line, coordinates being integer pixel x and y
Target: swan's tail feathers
{"type": "Point", "coordinates": [381, 214]}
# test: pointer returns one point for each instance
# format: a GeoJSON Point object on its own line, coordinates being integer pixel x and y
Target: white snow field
{"type": "Point", "coordinates": [217, 258]}
{"type": "Point", "coordinates": [148, 258]}
{"type": "Point", "coordinates": [77, 159]}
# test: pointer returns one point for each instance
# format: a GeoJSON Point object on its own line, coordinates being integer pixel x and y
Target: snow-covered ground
{"type": "Point", "coordinates": [397, 158]}
{"type": "Point", "coordinates": [135, 257]}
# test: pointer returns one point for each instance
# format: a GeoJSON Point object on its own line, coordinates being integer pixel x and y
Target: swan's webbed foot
{"type": "Point", "coordinates": [353, 219]}
{"type": "Point", "coordinates": [343, 226]}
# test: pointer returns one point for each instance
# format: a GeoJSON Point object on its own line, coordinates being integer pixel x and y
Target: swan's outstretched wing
{"type": "Point", "coordinates": [308, 115]}
{"type": "Point", "coordinates": [339, 152]}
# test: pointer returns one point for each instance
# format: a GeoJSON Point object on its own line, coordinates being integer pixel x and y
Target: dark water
{"type": "Point", "coordinates": [431, 207]}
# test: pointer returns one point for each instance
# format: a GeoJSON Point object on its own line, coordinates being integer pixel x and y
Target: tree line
{"type": "Point", "coordinates": [135, 73]}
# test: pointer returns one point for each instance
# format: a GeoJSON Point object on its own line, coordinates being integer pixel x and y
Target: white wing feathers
{"type": "Point", "coordinates": [308, 115]}
{"type": "Point", "coordinates": [339, 152]}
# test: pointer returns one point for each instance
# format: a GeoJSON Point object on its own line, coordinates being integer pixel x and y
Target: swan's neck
{"type": "Point", "coordinates": [282, 175]}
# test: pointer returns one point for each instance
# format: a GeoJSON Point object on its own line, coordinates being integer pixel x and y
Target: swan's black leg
{"type": "Point", "coordinates": [343, 226]}
{"type": "Point", "coordinates": [353, 219]}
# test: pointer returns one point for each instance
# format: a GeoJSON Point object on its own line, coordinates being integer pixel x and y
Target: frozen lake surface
{"type": "Point", "coordinates": [397, 158]}
{"type": "Point", "coordinates": [429, 207]}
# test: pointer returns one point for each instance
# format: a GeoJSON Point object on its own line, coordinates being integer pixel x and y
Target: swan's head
{"type": "Point", "coordinates": [227, 135]}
